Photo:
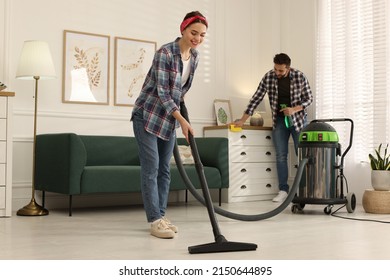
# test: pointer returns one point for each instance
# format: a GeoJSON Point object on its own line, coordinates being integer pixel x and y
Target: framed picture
{"type": "Point", "coordinates": [223, 111]}
{"type": "Point", "coordinates": [133, 59]}
{"type": "Point", "coordinates": [86, 62]}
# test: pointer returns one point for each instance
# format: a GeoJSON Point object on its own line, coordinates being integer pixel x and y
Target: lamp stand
{"type": "Point", "coordinates": [33, 209]}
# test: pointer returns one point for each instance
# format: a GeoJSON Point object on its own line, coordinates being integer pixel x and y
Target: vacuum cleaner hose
{"type": "Point", "coordinates": [221, 211]}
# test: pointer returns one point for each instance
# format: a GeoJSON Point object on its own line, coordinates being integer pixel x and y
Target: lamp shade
{"type": "Point", "coordinates": [35, 61]}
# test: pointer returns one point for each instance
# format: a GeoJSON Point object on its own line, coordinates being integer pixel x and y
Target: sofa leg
{"type": "Point", "coordinates": [186, 196]}
{"type": "Point", "coordinates": [70, 205]}
{"type": "Point", "coordinates": [220, 197]}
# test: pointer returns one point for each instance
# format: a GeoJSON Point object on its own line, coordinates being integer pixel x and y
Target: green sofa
{"type": "Point", "coordinates": [72, 164]}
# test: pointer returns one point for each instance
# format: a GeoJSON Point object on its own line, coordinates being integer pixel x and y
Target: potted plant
{"type": "Point", "coordinates": [380, 169]}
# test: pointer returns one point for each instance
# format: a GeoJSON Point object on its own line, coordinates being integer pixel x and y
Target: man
{"type": "Point", "coordinates": [289, 95]}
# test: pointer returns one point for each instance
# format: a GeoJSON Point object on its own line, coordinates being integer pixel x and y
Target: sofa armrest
{"type": "Point", "coordinates": [213, 151]}
{"type": "Point", "coordinates": [59, 163]}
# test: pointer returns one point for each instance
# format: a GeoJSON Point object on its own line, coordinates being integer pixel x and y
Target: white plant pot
{"type": "Point", "coordinates": [380, 180]}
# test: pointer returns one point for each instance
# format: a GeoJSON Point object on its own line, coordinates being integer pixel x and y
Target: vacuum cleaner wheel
{"type": "Point", "coordinates": [351, 202]}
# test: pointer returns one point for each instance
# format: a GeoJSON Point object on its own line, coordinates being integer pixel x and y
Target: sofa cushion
{"type": "Point", "coordinates": [110, 150]}
{"type": "Point", "coordinates": [185, 155]}
{"type": "Point", "coordinates": [212, 174]}
{"type": "Point", "coordinates": [96, 179]}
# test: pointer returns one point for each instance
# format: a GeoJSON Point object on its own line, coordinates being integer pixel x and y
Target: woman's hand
{"type": "Point", "coordinates": [186, 128]}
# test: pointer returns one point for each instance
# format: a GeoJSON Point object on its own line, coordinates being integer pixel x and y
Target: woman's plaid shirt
{"type": "Point", "coordinates": [162, 90]}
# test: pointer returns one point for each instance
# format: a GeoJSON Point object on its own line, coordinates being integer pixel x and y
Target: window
{"type": "Point", "coordinates": [353, 70]}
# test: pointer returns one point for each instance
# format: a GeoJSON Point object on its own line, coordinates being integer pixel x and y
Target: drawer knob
{"type": "Point", "coordinates": [268, 186]}
{"type": "Point", "coordinates": [243, 187]}
{"type": "Point", "coordinates": [268, 137]}
{"type": "Point", "coordinates": [268, 169]}
{"type": "Point", "coordinates": [268, 153]}
{"type": "Point", "coordinates": [243, 170]}
{"type": "Point", "coordinates": [243, 137]}
{"type": "Point", "coordinates": [243, 154]}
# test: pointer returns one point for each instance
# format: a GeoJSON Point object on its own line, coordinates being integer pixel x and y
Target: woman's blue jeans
{"type": "Point", "coordinates": [155, 155]}
{"type": "Point", "coordinates": [281, 135]}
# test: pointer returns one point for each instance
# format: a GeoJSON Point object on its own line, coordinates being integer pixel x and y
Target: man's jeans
{"type": "Point", "coordinates": [281, 135]}
{"type": "Point", "coordinates": [155, 155]}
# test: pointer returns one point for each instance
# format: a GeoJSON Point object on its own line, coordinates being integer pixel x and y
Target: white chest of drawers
{"type": "Point", "coordinates": [6, 153]}
{"type": "Point", "coordinates": [252, 164]}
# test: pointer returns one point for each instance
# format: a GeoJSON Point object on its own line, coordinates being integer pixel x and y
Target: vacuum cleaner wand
{"type": "Point", "coordinates": [220, 244]}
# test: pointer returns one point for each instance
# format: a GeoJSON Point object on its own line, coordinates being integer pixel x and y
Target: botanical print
{"type": "Point", "coordinates": [138, 75]}
{"type": "Point", "coordinates": [133, 59]}
{"type": "Point", "coordinates": [222, 116]}
{"type": "Point", "coordinates": [223, 111]}
{"type": "Point", "coordinates": [86, 68]}
{"type": "Point", "coordinates": [91, 66]}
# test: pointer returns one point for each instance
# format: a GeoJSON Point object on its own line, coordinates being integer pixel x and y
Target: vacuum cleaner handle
{"type": "Point", "coordinates": [350, 135]}
{"type": "Point", "coordinates": [202, 178]}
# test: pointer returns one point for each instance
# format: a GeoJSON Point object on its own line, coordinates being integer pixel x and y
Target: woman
{"type": "Point", "coordinates": [156, 115]}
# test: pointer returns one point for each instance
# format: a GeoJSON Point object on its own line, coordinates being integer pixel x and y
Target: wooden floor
{"type": "Point", "coordinates": [121, 233]}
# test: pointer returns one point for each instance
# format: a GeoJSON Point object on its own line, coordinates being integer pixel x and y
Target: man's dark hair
{"type": "Point", "coordinates": [282, 58]}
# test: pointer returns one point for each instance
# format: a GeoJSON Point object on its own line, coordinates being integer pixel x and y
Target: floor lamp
{"type": "Point", "coordinates": [35, 63]}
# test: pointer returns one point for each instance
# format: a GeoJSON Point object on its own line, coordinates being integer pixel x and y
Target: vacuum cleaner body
{"type": "Point", "coordinates": [319, 144]}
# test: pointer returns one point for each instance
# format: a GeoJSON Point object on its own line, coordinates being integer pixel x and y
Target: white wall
{"type": "Point", "coordinates": [242, 39]}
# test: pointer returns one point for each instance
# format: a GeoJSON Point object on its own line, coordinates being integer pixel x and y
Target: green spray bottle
{"type": "Point", "coordinates": [287, 119]}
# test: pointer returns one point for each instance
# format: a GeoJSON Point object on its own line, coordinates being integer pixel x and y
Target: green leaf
{"type": "Point", "coordinates": [379, 162]}
{"type": "Point", "coordinates": [222, 116]}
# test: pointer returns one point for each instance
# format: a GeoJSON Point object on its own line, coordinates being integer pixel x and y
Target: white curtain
{"type": "Point", "coordinates": [353, 71]}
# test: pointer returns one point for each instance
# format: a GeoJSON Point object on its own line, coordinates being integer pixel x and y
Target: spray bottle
{"type": "Point", "coordinates": [287, 119]}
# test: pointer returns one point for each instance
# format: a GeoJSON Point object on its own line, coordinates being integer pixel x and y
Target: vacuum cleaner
{"type": "Point", "coordinates": [221, 244]}
{"type": "Point", "coordinates": [323, 181]}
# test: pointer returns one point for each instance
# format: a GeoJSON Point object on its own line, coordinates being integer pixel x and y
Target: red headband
{"type": "Point", "coordinates": [190, 20]}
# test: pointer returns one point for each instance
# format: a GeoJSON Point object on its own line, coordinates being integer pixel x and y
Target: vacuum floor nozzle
{"type": "Point", "coordinates": [221, 245]}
